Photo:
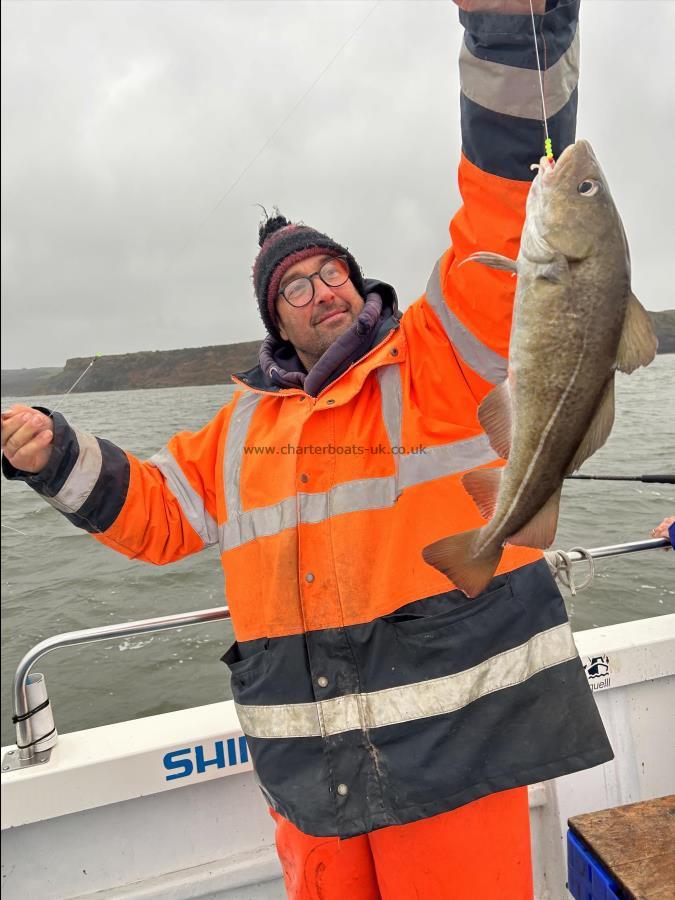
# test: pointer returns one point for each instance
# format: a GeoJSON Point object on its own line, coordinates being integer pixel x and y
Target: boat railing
{"type": "Point", "coordinates": [31, 698]}
{"type": "Point", "coordinates": [577, 555]}
{"type": "Point", "coordinates": [29, 745]}
{"type": "Point", "coordinates": [561, 562]}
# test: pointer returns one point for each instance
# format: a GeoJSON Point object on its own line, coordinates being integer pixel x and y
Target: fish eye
{"type": "Point", "coordinates": [589, 187]}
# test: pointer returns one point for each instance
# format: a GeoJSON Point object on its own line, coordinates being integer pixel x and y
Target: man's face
{"type": "Point", "coordinates": [313, 328]}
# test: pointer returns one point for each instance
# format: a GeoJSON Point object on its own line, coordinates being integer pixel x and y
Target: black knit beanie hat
{"type": "Point", "coordinates": [282, 245]}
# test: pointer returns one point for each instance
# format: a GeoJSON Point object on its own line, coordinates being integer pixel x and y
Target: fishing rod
{"type": "Point", "coordinates": [646, 479]}
{"type": "Point", "coordinates": [561, 562]}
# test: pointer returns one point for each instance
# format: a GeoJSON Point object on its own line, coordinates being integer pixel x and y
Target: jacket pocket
{"type": "Point", "coordinates": [426, 618]}
{"type": "Point", "coordinates": [246, 663]}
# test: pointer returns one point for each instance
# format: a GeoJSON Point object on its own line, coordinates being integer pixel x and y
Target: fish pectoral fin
{"type": "Point", "coordinates": [638, 343]}
{"type": "Point", "coordinates": [494, 414]}
{"type": "Point", "coordinates": [599, 429]}
{"type": "Point", "coordinates": [483, 487]}
{"type": "Point", "coordinates": [493, 260]}
{"type": "Point", "coordinates": [540, 530]}
{"type": "Point", "coordinates": [469, 569]}
{"type": "Point", "coordinates": [556, 270]}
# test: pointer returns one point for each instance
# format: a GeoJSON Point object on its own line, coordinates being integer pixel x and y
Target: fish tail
{"type": "Point", "coordinates": [461, 559]}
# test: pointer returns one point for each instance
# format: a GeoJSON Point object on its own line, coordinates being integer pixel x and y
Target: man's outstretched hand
{"type": "Point", "coordinates": [27, 438]}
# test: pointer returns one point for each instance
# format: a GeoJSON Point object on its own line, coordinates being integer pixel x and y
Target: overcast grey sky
{"type": "Point", "coordinates": [124, 124]}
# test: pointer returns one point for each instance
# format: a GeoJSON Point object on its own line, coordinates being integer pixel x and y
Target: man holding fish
{"type": "Point", "coordinates": [393, 721]}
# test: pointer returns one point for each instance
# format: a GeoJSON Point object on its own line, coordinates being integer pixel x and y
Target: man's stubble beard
{"type": "Point", "coordinates": [326, 340]}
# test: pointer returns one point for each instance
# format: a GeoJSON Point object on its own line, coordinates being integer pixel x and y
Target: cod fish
{"type": "Point", "coordinates": [575, 322]}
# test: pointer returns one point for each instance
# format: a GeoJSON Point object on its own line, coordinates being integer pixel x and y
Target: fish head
{"type": "Point", "coordinates": [570, 208]}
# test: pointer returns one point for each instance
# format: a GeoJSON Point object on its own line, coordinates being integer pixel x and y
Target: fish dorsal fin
{"type": "Point", "coordinates": [638, 343]}
{"type": "Point", "coordinates": [599, 429]}
{"type": "Point", "coordinates": [494, 414]}
{"type": "Point", "coordinates": [493, 260]}
{"type": "Point", "coordinates": [483, 487]}
{"type": "Point", "coordinates": [540, 530]}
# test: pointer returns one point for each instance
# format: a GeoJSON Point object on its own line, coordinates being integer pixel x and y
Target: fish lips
{"type": "Point", "coordinates": [577, 159]}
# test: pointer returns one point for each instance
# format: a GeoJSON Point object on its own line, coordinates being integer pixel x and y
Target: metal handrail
{"type": "Point", "coordinates": [618, 549]}
{"type": "Point", "coordinates": [87, 636]}
{"type": "Point", "coordinates": [560, 563]}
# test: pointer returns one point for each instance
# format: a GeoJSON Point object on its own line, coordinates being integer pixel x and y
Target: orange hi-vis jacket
{"type": "Point", "coordinates": [371, 691]}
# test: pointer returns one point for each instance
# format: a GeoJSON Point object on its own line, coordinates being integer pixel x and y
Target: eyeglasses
{"type": "Point", "coordinates": [300, 291]}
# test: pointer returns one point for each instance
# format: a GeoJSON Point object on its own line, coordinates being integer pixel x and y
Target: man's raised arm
{"type": "Point", "coordinates": [502, 135]}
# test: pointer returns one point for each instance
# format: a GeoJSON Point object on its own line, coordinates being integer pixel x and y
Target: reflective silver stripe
{"type": "Point", "coordinates": [394, 706]}
{"type": "Point", "coordinates": [444, 459]}
{"type": "Point", "coordinates": [83, 476]}
{"type": "Point", "coordinates": [389, 378]}
{"type": "Point", "coordinates": [234, 450]}
{"type": "Point", "coordinates": [359, 495]}
{"type": "Point", "coordinates": [236, 530]}
{"type": "Point", "coordinates": [489, 365]}
{"type": "Point", "coordinates": [261, 522]}
{"type": "Point", "coordinates": [356, 496]}
{"type": "Point", "coordinates": [349, 496]}
{"type": "Point", "coordinates": [189, 500]}
{"type": "Point", "coordinates": [391, 390]}
{"type": "Point", "coordinates": [512, 90]}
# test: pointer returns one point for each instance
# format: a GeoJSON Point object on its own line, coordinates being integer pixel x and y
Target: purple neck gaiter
{"type": "Point", "coordinates": [282, 366]}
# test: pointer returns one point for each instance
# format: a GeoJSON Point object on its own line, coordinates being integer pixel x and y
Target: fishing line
{"type": "Point", "coordinates": [2, 525]}
{"type": "Point", "coordinates": [218, 204]}
{"type": "Point", "coordinates": [276, 131]}
{"type": "Point", "coordinates": [547, 143]}
{"type": "Point", "coordinates": [73, 386]}
{"type": "Point", "coordinates": [247, 167]}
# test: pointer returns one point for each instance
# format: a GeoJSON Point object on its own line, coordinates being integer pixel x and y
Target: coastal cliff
{"type": "Point", "coordinates": [132, 371]}
{"type": "Point", "coordinates": [183, 368]}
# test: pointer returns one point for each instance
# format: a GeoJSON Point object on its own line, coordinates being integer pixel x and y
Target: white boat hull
{"type": "Point", "coordinates": [168, 806]}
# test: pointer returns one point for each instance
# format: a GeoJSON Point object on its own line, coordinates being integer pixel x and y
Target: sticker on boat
{"type": "Point", "coordinates": [597, 670]}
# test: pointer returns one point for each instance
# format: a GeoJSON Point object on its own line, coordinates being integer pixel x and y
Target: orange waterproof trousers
{"type": "Point", "coordinates": [480, 851]}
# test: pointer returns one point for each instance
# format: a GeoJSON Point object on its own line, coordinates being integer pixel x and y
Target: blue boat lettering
{"type": "Point", "coordinates": [184, 762]}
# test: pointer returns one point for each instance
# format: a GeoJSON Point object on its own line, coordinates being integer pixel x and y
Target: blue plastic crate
{"type": "Point", "coordinates": [587, 878]}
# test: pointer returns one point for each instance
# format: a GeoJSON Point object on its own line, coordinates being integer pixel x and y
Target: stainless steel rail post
{"type": "Point", "coordinates": [24, 733]}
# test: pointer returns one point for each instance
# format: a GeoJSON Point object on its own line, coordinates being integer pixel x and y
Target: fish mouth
{"type": "Point", "coordinates": [578, 155]}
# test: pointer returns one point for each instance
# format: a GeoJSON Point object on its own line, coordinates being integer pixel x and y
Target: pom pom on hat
{"type": "Point", "coordinates": [269, 226]}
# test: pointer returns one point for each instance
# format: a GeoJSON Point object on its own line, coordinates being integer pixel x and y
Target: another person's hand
{"type": "Point", "coordinates": [27, 438]}
{"type": "Point", "coordinates": [662, 530]}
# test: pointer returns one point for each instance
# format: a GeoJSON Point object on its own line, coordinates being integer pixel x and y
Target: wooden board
{"type": "Point", "coordinates": [636, 844]}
